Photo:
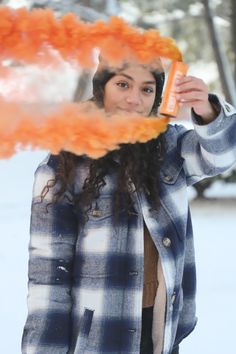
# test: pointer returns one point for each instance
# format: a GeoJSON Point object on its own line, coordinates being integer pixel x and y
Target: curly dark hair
{"type": "Point", "coordinates": [138, 165]}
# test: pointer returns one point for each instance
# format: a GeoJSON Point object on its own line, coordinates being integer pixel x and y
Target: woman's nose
{"type": "Point", "coordinates": [133, 97]}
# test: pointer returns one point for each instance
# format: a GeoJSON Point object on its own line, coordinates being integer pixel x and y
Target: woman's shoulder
{"type": "Point", "coordinates": [50, 162]}
{"type": "Point", "coordinates": [47, 173]}
{"type": "Point", "coordinates": [173, 135]}
{"type": "Point", "coordinates": [52, 165]}
{"type": "Point", "coordinates": [175, 129]}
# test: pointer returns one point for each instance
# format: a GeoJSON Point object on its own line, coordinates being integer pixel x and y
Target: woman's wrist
{"type": "Point", "coordinates": [211, 114]}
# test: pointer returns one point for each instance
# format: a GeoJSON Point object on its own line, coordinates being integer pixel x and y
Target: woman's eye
{"type": "Point", "coordinates": [148, 89]}
{"type": "Point", "coordinates": [122, 84]}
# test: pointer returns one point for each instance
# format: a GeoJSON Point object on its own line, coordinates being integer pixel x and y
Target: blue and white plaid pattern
{"type": "Point", "coordinates": [85, 285]}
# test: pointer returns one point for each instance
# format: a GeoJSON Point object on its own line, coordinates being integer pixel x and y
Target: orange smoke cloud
{"type": "Point", "coordinates": [28, 36]}
{"type": "Point", "coordinates": [33, 37]}
{"type": "Point", "coordinates": [81, 129]}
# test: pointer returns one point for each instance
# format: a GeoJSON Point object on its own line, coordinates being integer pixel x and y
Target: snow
{"type": "Point", "coordinates": [17, 3]}
{"type": "Point", "coordinates": [218, 189]}
{"type": "Point", "coordinates": [214, 224]}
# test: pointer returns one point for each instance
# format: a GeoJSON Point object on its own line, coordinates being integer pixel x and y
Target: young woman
{"type": "Point", "coordinates": [112, 266]}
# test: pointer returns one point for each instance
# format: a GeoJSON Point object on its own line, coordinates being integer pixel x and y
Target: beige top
{"type": "Point", "coordinates": [150, 270]}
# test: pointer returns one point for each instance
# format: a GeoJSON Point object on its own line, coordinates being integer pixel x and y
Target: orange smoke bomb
{"type": "Point", "coordinates": [169, 106]}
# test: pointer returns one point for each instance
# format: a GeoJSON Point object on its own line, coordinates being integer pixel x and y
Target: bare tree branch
{"type": "Point", "coordinates": [84, 12]}
{"type": "Point", "coordinates": [227, 81]}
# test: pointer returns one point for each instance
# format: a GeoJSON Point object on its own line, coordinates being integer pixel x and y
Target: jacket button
{"type": "Point", "coordinates": [168, 178]}
{"type": "Point", "coordinates": [131, 187]}
{"type": "Point", "coordinates": [133, 272]}
{"type": "Point", "coordinates": [96, 213]}
{"type": "Point", "coordinates": [227, 108]}
{"type": "Point", "coordinates": [132, 330]}
{"type": "Point", "coordinates": [173, 297]}
{"type": "Point", "coordinates": [166, 242]}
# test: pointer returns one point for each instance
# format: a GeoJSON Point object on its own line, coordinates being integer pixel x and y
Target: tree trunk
{"type": "Point", "coordinates": [84, 12]}
{"type": "Point", "coordinates": [83, 87]}
{"type": "Point", "coordinates": [233, 31]}
{"type": "Point", "coordinates": [99, 9]}
{"type": "Point", "coordinates": [226, 78]}
{"type": "Point", "coordinates": [91, 10]}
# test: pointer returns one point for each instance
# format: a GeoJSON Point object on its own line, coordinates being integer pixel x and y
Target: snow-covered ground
{"type": "Point", "coordinates": [214, 224]}
{"type": "Point", "coordinates": [215, 241]}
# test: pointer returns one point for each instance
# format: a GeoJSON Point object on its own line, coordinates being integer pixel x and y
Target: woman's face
{"type": "Point", "coordinates": [132, 89]}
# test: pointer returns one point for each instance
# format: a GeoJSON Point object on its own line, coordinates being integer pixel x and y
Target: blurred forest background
{"type": "Point", "coordinates": [205, 32]}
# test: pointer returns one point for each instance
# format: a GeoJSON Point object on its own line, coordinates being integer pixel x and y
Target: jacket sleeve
{"type": "Point", "coordinates": [209, 149]}
{"type": "Point", "coordinates": [53, 232]}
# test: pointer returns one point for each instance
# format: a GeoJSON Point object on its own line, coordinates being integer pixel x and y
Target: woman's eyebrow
{"type": "Point", "coordinates": [150, 82]}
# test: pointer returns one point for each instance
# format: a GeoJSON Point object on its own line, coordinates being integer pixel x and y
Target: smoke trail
{"type": "Point", "coordinates": [39, 38]}
{"type": "Point", "coordinates": [29, 35]}
{"type": "Point", "coordinates": [79, 128]}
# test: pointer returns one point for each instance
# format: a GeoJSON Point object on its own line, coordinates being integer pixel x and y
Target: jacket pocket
{"type": "Point", "coordinates": [173, 197]}
{"type": "Point", "coordinates": [171, 170]}
{"type": "Point", "coordinates": [101, 210]}
{"type": "Point", "coordinates": [98, 247]}
{"type": "Point", "coordinates": [84, 330]}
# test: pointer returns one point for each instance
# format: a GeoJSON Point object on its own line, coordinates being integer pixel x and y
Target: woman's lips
{"type": "Point", "coordinates": [128, 110]}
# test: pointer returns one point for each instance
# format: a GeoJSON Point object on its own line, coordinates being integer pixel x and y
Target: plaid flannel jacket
{"type": "Point", "coordinates": [85, 285]}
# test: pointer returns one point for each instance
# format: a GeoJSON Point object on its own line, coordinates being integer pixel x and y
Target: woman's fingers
{"type": "Point", "coordinates": [187, 83]}
{"type": "Point", "coordinates": [191, 96]}
{"type": "Point", "coordinates": [193, 92]}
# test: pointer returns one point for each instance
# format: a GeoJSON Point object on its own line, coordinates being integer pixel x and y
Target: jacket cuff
{"type": "Point", "coordinates": [226, 110]}
{"type": "Point", "coordinates": [214, 100]}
